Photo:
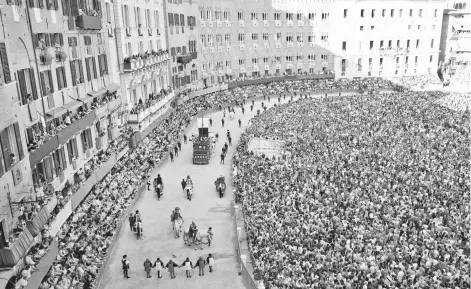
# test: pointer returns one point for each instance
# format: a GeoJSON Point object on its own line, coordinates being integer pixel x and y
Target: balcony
{"type": "Point", "coordinates": [43, 150]}
{"type": "Point", "coordinates": [114, 104]}
{"type": "Point", "coordinates": [184, 59]}
{"type": "Point", "coordinates": [88, 22]}
{"type": "Point", "coordinates": [137, 62]}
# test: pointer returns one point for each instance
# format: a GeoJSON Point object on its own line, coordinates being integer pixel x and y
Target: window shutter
{"type": "Point", "coordinates": [70, 151]}
{"type": "Point", "coordinates": [4, 61]}
{"type": "Point", "coordinates": [2, 169]}
{"type": "Point", "coordinates": [89, 137]}
{"type": "Point", "coordinates": [48, 168]}
{"type": "Point", "coordinates": [4, 140]}
{"type": "Point", "coordinates": [170, 19]}
{"type": "Point", "coordinates": [63, 159]}
{"type": "Point", "coordinates": [84, 141]}
{"type": "Point", "coordinates": [43, 85]}
{"type": "Point", "coordinates": [18, 141]}
{"type": "Point", "coordinates": [51, 82]}
{"type": "Point", "coordinates": [33, 84]}
{"type": "Point", "coordinates": [31, 3]}
{"type": "Point", "coordinates": [61, 39]}
{"type": "Point", "coordinates": [105, 63]}
{"type": "Point", "coordinates": [64, 77]}
{"type": "Point", "coordinates": [74, 144]}
{"type": "Point", "coordinates": [182, 20]}
{"type": "Point", "coordinates": [56, 5]}
{"type": "Point", "coordinates": [22, 84]}
{"type": "Point", "coordinates": [81, 70]}
{"type": "Point", "coordinates": [53, 39]}
{"type": "Point", "coordinates": [65, 7]}
{"type": "Point", "coordinates": [94, 67]}
{"type": "Point", "coordinates": [72, 72]}
{"type": "Point", "coordinates": [100, 66]}
{"type": "Point", "coordinates": [74, 8]}
{"type": "Point", "coordinates": [87, 67]}
{"type": "Point", "coordinates": [59, 76]}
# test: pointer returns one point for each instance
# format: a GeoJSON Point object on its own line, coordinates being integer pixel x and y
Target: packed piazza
{"type": "Point", "coordinates": [371, 189]}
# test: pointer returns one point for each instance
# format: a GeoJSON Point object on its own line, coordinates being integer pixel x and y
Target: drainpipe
{"type": "Point", "coordinates": [28, 17]}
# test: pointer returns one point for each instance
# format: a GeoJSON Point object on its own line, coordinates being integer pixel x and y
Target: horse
{"type": "Point", "coordinates": [198, 239]}
{"type": "Point", "coordinates": [189, 191]}
{"type": "Point", "coordinates": [178, 227]}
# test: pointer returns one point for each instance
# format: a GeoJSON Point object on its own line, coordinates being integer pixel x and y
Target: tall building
{"type": "Point", "coordinates": [142, 58]}
{"type": "Point", "coordinates": [182, 35]}
{"type": "Point", "coordinates": [352, 38]}
{"type": "Point", "coordinates": [455, 43]}
{"type": "Point", "coordinates": [60, 107]}
{"type": "Point", "coordinates": [17, 74]}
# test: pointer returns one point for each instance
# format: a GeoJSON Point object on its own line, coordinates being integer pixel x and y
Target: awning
{"type": "Point", "coordinates": [112, 87]}
{"type": "Point", "coordinates": [58, 111]}
{"type": "Point", "coordinates": [99, 92]}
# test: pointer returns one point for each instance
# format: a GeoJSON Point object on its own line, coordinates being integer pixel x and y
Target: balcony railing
{"type": "Point", "coordinates": [184, 59]}
{"type": "Point", "coordinates": [139, 62]}
{"type": "Point", "coordinates": [88, 22]}
{"type": "Point", "coordinates": [43, 150]}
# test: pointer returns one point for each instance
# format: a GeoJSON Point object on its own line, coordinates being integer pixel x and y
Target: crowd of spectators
{"type": "Point", "coordinates": [85, 237]}
{"type": "Point", "coordinates": [371, 192]}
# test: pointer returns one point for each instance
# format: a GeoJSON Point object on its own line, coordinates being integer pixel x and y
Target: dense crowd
{"type": "Point", "coordinates": [371, 192]}
{"type": "Point", "coordinates": [85, 237]}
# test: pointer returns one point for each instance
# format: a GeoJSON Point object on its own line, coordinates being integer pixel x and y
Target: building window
{"type": "Point", "coordinates": [372, 28]}
{"type": "Point", "coordinates": [156, 19]}
{"type": "Point", "coordinates": [325, 37]}
{"type": "Point", "coordinates": [6, 76]}
{"type": "Point", "coordinates": [431, 58]}
{"type": "Point", "coordinates": [361, 28]}
{"type": "Point", "coordinates": [87, 140]}
{"type": "Point", "coordinates": [311, 37]}
{"type": "Point", "coordinates": [435, 13]}
{"type": "Point", "coordinates": [90, 66]}
{"type": "Point", "coordinates": [254, 36]}
{"type": "Point", "coordinates": [359, 64]}
{"type": "Point", "coordinates": [371, 45]}
{"type": "Point", "coordinates": [392, 13]}
{"type": "Point", "coordinates": [420, 13]}
{"type": "Point", "coordinates": [344, 46]}
{"type": "Point", "coordinates": [277, 16]}
{"type": "Point", "coordinates": [76, 70]}
{"type": "Point", "coordinates": [240, 15]}
{"type": "Point", "coordinates": [11, 147]}
{"type": "Point", "coordinates": [410, 12]}
{"type": "Point", "coordinates": [265, 36]}
{"type": "Point", "coordinates": [432, 43]}
{"type": "Point", "coordinates": [311, 15]}
{"type": "Point", "coordinates": [400, 13]}
{"type": "Point", "coordinates": [345, 13]}
{"type": "Point", "coordinates": [373, 13]}
{"type": "Point", "coordinates": [60, 162]}
{"type": "Point", "coordinates": [61, 78]}
{"type": "Point", "coordinates": [383, 13]}
{"type": "Point", "coordinates": [300, 37]}
{"type": "Point", "coordinates": [362, 13]}
{"type": "Point", "coordinates": [47, 85]}
{"type": "Point", "coordinates": [27, 84]}
{"type": "Point", "coordinates": [289, 37]}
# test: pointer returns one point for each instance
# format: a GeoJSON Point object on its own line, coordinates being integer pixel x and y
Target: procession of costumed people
{"type": "Point", "coordinates": [374, 193]}
{"type": "Point", "coordinates": [86, 236]}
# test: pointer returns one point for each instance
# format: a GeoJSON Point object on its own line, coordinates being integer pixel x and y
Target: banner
{"type": "Point", "coordinates": [61, 218]}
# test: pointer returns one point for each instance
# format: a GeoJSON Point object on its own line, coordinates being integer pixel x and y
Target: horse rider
{"type": "Point", "coordinates": [189, 181]}
{"type": "Point", "coordinates": [159, 180]}
{"type": "Point", "coordinates": [193, 230]}
{"type": "Point", "coordinates": [183, 184]}
{"type": "Point", "coordinates": [228, 133]}
{"type": "Point", "coordinates": [176, 215]}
